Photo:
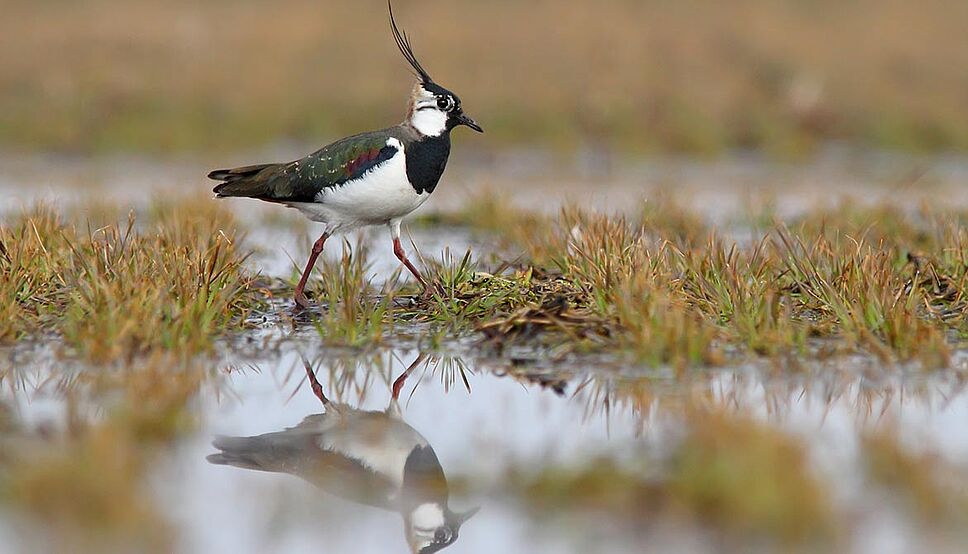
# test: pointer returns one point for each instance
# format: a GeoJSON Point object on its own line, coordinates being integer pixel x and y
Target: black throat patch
{"type": "Point", "coordinates": [423, 479]}
{"type": "Point", "coordinates": [426, 161]}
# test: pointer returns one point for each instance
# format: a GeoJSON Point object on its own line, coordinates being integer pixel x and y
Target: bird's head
{"type": "Point", "coordinates": [432, 527]}
{"type": "Point", "coordinates": [433, 109]}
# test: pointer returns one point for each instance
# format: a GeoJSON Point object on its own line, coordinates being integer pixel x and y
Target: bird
{"type": "Point", "coordinates": [373, 178]}
{"type": "Point", "coordinates": [369, 457]}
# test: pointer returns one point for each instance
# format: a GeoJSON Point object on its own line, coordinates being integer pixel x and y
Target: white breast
{"type": "Point", "coordinates": [379, 196]}
{"type": "Point", "coordinates": [382, 444]}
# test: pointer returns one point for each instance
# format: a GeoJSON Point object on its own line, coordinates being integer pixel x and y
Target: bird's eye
{"type": "Point", "coordinates": [445, 103]}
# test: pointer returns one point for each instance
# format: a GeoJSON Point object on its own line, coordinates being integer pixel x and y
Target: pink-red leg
{"type": "Point", "coordinates": [402, 256]}
{"type": "Point", "coordinates": [317, 250]}
{"type": "Point", "coordinates": [402, 379]}
{"type": "Point", "coordinates": [314, 383]}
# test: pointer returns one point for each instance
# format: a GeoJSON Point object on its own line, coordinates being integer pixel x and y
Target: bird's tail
{"type": "Point", "coordinates": [241, 181]}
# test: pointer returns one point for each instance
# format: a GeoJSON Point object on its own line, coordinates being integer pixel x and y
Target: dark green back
{"type": "Point", "coordinates": [302, 180]}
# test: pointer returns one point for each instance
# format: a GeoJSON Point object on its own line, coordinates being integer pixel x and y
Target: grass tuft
{"type": "Point", "coordinates": [352, 314]}
{"type": "Point", "coordinates": [877, 279]}
{"type": "Point", "coordinates": [174, 282]}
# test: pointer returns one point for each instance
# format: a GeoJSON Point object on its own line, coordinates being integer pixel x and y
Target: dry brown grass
{"type": "Point", "coordinates": [692, 76]}
{"type": "Point", "coordinates": [882, 280]}
{"type": "Point", "coordinates": [118, 290]}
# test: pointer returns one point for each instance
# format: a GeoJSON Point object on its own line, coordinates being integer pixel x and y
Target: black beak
{"type": "Point", "coordinates": [464, 120]}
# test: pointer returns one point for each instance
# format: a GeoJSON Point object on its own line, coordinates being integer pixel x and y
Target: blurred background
{"type": "Point", "coordinates": [633, 77]}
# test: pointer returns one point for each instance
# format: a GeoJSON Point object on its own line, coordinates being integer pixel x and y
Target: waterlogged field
{"type": "Point", "coordinates": [689, 358]}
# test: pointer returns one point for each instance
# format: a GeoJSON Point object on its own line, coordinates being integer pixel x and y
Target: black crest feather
{"type": "Point", "coordinates": [403, 43]}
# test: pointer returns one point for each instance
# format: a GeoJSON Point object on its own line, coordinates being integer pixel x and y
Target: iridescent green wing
{"type": "Point", "coordinates": [336, 164]}
{"type": "Point", "coordinates": [302, 180]}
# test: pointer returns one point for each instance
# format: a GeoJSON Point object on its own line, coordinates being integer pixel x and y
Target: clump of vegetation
{"type": "Point", "coordinates": [173, 281]}
{"type": "Point", "coordinates": [743, 480]}
{"type": "Point", "coordinates": [351, 314]}
{"type": "Point", "coordinates": [661, 286]}
{"type": "Point", "coordinates": [668, 288]}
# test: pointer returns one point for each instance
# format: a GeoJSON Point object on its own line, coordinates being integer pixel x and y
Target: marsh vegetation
{"type": "Point", "coordinates": [112, 287]}
{"type": "Point", "coordinates": [141, 327]}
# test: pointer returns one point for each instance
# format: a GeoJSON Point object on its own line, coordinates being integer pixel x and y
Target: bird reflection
{"type": "Point", "coordinates": [370, 457]}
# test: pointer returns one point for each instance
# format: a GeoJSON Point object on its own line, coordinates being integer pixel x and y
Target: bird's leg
{"type": "Point", "coordinates": [317, 250]}
{"type": "Point", "coordinates": [402, 379]}
{"type": "Point", "coordinates": [314, 383]}
{"type": "Point", "coordinates": [402, 255]}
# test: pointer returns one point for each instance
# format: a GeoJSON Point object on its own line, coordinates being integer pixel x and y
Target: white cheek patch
{"type": "Point", "coordinates": [429, 122]}
{"type": "Point", "coordinates": [427, 516]}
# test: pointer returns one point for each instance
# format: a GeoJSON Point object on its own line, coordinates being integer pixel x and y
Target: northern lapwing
{"type": "Point", "coordinates": [374, 178]}
{"type": "Point", "coordinates": [369, 457]}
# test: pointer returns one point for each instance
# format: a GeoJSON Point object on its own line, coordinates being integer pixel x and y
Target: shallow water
{"type": "Point", "coordinates": [504, 420]}
{"type": "Point", "coordinates": [512, 419]}
{"type": "Point", "coordinates": [535, 179]}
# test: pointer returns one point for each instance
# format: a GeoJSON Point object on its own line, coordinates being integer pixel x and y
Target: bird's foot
{"type": "Point", "coordinates": [302, 303]}
{"type": "Point", "coordinates": [430, 289]}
